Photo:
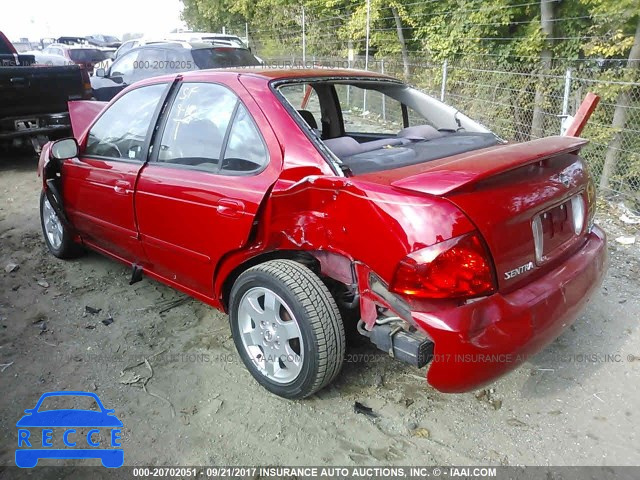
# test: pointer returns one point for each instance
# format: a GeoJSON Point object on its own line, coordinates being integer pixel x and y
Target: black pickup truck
{"type": "Point", "coordinates": [33, 98]}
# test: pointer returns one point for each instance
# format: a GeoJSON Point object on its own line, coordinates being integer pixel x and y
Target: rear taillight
{"type": "Point", "coordinates": [591, 203]}
{"type": "Point", "coordinates": [457, 268]}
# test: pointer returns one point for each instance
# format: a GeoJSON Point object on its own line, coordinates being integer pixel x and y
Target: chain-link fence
{"type": "Point", "coordinates": [518, 101]}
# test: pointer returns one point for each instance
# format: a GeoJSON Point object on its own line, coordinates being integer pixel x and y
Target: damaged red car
{"type": "Point", "coordinates": [316, 204]}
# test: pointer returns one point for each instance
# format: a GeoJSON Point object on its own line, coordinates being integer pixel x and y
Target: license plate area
{"type": "Point", "coordinates": [557, 227]}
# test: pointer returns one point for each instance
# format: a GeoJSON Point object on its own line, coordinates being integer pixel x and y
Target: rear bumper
{"type": "Point", "coordinates": [478, 342]}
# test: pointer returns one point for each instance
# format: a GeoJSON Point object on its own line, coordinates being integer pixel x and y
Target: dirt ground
{"type": "Point", "coordinates": [202, 407]}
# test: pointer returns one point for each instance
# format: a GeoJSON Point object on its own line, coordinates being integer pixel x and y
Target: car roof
{"type": "Point", "coordinates": [276, 74]}
{"type": "Point", "coordinates": [201, 34]}
{"type": "Point", "coordinates": [307, 73]}
{"type": "Point", "coordinates": [178, 45]}
{"type": "Point", "coordinates": [77, 46]}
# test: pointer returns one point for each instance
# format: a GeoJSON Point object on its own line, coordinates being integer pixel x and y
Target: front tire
{"type": "Point", "coordinates": [56, 236]}
{"type": "Point", "coordinates": [287, 328]}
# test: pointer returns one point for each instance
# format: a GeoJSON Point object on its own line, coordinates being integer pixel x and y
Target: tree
{"type": "Point", "coordinates": [547, 18]}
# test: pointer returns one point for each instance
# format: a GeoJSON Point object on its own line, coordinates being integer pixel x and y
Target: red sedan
{"type": "Point", "coordinates": [310, 203]}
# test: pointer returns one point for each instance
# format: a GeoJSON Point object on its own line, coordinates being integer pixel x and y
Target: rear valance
{"type": "Point", "coordinates": [443, 177]}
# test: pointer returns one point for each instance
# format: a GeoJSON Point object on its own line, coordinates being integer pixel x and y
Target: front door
{"type": "Point", "coordinates": [98, 186]}
{"type": "Point", "coordinates": [197, 198]}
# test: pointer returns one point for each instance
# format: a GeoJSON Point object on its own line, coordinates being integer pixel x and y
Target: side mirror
{"type": "Point", "coordinates": [117, 78]}
{"type": "Point", "coordinates": [100, 72]}
{"type": "Point", "coordinates": [64, 149]}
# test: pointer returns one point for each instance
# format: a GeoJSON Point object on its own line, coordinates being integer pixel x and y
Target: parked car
{"type": "Point", "coordinates": [232, 40]}
{"type": "Point", "coordinates": [48, 59]}
{"type": "Point", "coordinates": [31, 111]}
{"type": "Point", "coordinates": [424, 232]}
{"type": "Point", "coordinates": [85, 55]}
{"type": "Point", "coordinates": [220, 39]}
{"type": "Point", "coordinates": [136, 42]}
{"type": "Point", "coordinates": [155, 59]}
{"type": "Point", "coordinates": [100, 40]}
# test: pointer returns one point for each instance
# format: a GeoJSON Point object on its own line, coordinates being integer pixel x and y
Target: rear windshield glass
{"type": "Point", "coordinates": [86, 55]}
{"type": "Point", "coordinates": [223, 57]}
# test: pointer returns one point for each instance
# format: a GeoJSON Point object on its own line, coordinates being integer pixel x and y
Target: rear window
{"type": "Point", "coordinates": [223, 57]}
{"type": "Point", "coordinates": [87, 55]}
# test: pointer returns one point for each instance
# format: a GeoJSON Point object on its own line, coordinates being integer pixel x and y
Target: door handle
{"type": "Point", "coordinates": [122, 187]}
{"type": "Point", "coordinates": [229, 207]}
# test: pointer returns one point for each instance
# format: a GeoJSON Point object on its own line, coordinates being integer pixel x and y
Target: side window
{"type": "Point", "coordinates": [122, 129]}
{"type": "Point", "coordinates": [196, 126]}
{"type": "Point", "coordinates": [125, 67]}
{"type": "Point", "coordinates": [308, 108]}
{"type": "Point", "coordinates": [245, 150]}
{"type": "Point", "coordinates": [369, 111]}
{"type": "Point", "coordinates": [150, 63]}
{"type": "Point", "coordinates": [200, 119]}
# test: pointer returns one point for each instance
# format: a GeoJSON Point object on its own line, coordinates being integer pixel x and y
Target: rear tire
{"type": "Point", "coordinates": [56, 236]}
{"type": "Point", "coordinates": [287, 328]}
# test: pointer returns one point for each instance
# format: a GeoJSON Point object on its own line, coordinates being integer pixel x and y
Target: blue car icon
{"type": "Point", "coordinates": [31, 448]}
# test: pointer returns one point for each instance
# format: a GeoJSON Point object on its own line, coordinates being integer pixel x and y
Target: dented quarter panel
{"type": "Point", "coordinates": [346, 216]}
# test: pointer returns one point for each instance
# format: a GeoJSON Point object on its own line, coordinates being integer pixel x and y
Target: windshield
{"type": "Point", "coordinates": [223, 57]}
{"type": "Point", "coordinates": [380, 106]}
{"type": "Point", "coordinates": [86, 55]}
{"type": "Point", "coordinates": [374, 125]}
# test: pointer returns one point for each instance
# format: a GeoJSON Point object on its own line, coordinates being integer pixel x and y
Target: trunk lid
{"type": "Point", "coordinates": [532, 202]}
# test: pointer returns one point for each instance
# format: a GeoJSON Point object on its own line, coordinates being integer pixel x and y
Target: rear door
{"type": "Point", "coordinates": [98, 186]}
{"type": "Point", "coordinates": [215, 158]}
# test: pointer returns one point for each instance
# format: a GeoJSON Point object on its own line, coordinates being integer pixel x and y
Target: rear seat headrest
{"type": "Point", "coordinates": [309, 118]}
{"type": "Point", "coordinates": [343, 146]}
{"type": "Point", "coordinates": [420, 132]}
{"type": "Point", "coordinates": [346, 146]}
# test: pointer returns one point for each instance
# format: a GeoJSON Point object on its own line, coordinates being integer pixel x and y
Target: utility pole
{"type": "Point", "coordinates": [304, 39]}
{"type": "Point", "coordinates": [366, 54]}
{"type": "Point", "coordinates": [366, 45]}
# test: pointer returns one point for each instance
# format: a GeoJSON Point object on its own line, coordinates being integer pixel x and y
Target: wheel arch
{"type": "Point", "coordinates": [323, 263]}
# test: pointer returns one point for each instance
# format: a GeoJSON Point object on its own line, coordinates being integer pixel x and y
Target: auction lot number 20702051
{"type": "Point", "coordinates": [320, 472]}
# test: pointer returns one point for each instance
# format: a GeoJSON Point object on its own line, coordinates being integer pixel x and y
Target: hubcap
{"type": "Point", "coordinates": [52, 225]}
{"type": "Point", "coordinates": [270, 335]}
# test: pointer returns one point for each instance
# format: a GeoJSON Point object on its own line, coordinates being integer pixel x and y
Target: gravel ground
{"type": "Point", "coordinates": [202, 407]}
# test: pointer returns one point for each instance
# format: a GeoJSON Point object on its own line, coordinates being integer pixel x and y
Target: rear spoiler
{"type": "Point", "coordinates": [82, 113]}
{"type": "Point", "coordinates": [464, 170]}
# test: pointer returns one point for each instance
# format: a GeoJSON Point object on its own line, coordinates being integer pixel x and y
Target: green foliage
{"type": "Point", "coordinates": [507, 29]}
{"type": "Point", "coordinates": [493, 47]}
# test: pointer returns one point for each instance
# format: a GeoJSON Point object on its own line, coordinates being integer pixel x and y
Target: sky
{"type": "Point", "coordinates": [36, 19]}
